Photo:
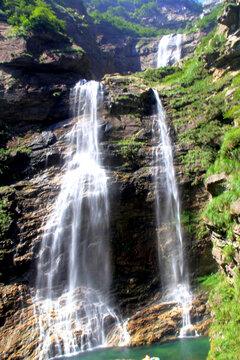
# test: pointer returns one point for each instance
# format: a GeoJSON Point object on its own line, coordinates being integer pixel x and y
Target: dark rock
{"type": "Point", "coordinates": [217, 184]}
{"type": "Point", "coordinates": [43, 140]}
{"type": "Point", "coordinates": [230, 17]}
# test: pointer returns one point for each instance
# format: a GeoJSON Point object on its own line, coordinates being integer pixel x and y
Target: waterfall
{"type": "Point", "coordinates": [169, 49]}
{"type": "Point", "coordinates": [174, 274]}
{"type": "Point", "coordinates": [73, 278]}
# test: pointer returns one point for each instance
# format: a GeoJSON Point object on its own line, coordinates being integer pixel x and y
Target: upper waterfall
{"type": "Point", "coordinates": [169, 49]}
{"type": "Point", "coordinates": [73, 276]}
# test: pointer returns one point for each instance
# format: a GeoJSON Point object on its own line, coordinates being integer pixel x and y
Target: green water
{"type": "Point", "coordinates": [182, 349]}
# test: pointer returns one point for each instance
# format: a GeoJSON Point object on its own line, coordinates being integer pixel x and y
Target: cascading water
{"type": "Point", "coordinates": [174, 275]}
{"type": "Point", "coordinates": [73, 276]}
{"type": "Point", "coordinates": [169, 49]}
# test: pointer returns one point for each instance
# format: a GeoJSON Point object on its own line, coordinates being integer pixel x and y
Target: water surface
{"type": "Point", "coordinates": [182, 349]}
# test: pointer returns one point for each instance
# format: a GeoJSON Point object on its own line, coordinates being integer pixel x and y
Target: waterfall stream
{"type": "Point", "coordinates": [174, 274]}
{"type": "Point", "coordinates": [73, 279]}
{"type": "Point", "coordinates": [169, 49]}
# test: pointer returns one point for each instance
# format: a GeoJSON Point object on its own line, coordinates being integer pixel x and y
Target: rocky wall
{"type": "Point", "coordinates": [29, 196]}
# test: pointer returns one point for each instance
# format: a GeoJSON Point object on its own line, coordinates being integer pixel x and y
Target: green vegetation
{"type": "Point", "coordinates": [228, 162]}
{"type": "Point", "coordinates": [225, 329]}
{"type": "Point", "coordinates": [209, 21]}
{"type": "Point", "coordinates": [116, 24]}
{"type": "Point", "coordinates": [151, 76]}
{"type": "Point", "coordinates": [225, 307]}
{"type": "Point", "coordinates": [5, 217]}
{"type": "Point", "coordinates": [139, 7]}
{"type": "Point", "coordinates": [132, 17]}
{"type": "Point", "coordinates": [128, 149]}
{"type": "Point", "coordinates": [209, 282]}
{"type": "Point", "coordinates": [189, 221]}
{"type": "Point", "coordinates": [35, 15]}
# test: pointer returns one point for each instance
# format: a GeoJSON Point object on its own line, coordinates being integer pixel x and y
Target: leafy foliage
{"type": "Point", "coordinates": [132, 17]}
{"type": "Point", "coordinates": [155, 75]}
{"type": "Point", "coordinates": [119, 24]}
{"type": "Point", "coordinates": [128, 149]}
{"type": "Point", "coordinates": [35, 15]}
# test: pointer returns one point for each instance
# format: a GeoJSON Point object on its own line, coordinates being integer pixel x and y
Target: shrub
{"type": "Point", "coordinates": [43, 18]}
{"type": "Point", "coordinates": [231, 144]}
{"type": "Point", "coordinates": [30, 14]}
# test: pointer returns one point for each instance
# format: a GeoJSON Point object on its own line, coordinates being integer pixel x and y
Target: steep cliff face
{"type": "Point", "coordinates": [126, 141]}
{"type": "Point", "coordinates": [129, 54]}
{"type": "Point", "coordinates": [198, 98]}
{"type": "Point", "coordinates": [36, 76]}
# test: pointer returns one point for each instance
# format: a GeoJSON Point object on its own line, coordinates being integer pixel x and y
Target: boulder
{"type": "Point", "coordinates": [216, 184]}
{"type": "Point", "coordinates": [230, 17]}
{"type": "Point", "coordinates": [235, 208]}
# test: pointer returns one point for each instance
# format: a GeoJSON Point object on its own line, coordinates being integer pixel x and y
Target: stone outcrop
{"type": "Point", "coordinates": [230, 17]}
{"type": "Point", "coordinates": [217, 184]}
{"type": "Point", "coordinates": [227, 56]}
{"type": "Point", "coordinates": [36, 77]}
{"type": "Point", "coordinates": [209, 5]}
{"type": "Point", "coordinates": [226, 250]}
{"type": "Point", "coordinates": [160, 322]}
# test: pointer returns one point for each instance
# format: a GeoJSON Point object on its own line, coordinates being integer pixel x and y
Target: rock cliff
{"type": "Point", "coordinates": [36, 76]}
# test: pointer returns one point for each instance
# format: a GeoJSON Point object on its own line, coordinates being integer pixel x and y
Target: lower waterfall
{"type": "Point", "coordinates": [174, 273]}
{"type": "Point", "coordinates": [73, 278]}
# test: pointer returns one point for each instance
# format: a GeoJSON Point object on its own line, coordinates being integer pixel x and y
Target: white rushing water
{"type": "Point", "coordinates": [73, 278]}
{"type": "Point", "coordinates": [169, 49]}
{"type": "Point", "coordinates": [174, 274]}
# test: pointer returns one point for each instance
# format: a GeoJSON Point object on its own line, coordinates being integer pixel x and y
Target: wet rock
{"type": "Point", "coordinates": [43, 140]}
{"type": "Point", "coordinates": [161, 322]}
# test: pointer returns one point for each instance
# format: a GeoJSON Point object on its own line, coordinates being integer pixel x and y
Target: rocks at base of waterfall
{"type": "Point", "coordinates": [162, 322]}
{"type": "Point", "coordinates": [153, 324]}
{"type": "Point", "coordinates": [20, 332]}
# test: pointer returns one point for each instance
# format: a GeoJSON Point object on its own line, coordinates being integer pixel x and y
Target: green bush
{"type": "Point", "coordinates": [44, 19]}
{"type": "Point", "coordinates": [229, 252]}
{"type": "Point", "coordinates": [128, 149]}
{"type": "Point", "coordinates": [134, 14]}
{"type": "Point", "coordinates": [32, 15]}
{"type": "Point", "coordinates": [231, 144]}
{"type": "Point", "coordinates": [122, 26]}
{"type": "Point", "coordinates": [210, 281]}
{"type": "Point", "coordinates": [155, 75]}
